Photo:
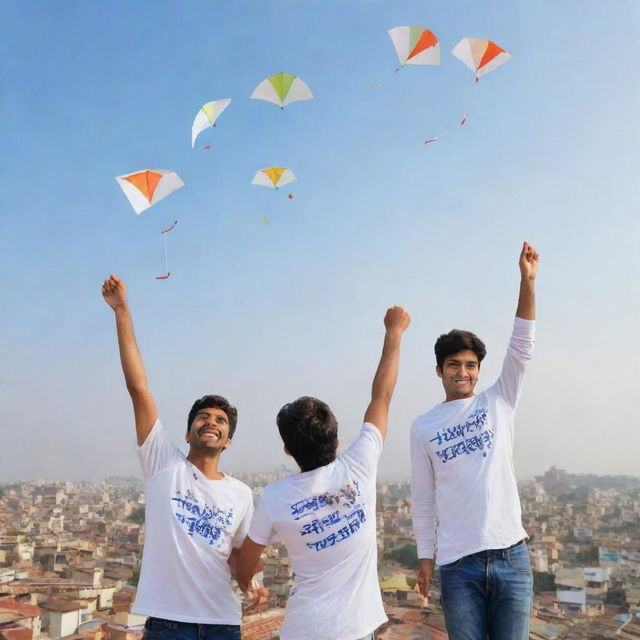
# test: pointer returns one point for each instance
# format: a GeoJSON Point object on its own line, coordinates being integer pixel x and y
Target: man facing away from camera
{"type": "Point", "coordinates": [195, 515]}
{"type": "Point", "coordinates": [466, 509]}
{"type": "Point", "coordinates": [326, 514]}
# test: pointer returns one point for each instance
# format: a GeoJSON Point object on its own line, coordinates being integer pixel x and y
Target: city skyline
{"type": "Point", "coordinates": [70, 560]}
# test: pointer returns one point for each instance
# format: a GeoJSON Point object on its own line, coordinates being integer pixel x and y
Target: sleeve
{"type": "Point", "coordinates": [423, 498]}
{"type": "Point", "coordinates": [157, 452]}
{"type": "Point", "coordinates": [363, 454]}
{"type": "Point", "coordinates": [243, 529]}
{"type": "Point", "coordinates": [261, 529]}
{"type": "Point", "coordinates": [519, 354]}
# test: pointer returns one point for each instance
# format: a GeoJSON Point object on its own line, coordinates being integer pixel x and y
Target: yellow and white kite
{"type": "Point", "coordinates": [282, 89]}
{"type": "Point", "coordinates": [415, 45]}
{"type": "Point", "coordinates": [206, 117]}
{"type": "Point", "coordinates": [273, 177]}
{"type": "Point", "coordinates": [145, 188]}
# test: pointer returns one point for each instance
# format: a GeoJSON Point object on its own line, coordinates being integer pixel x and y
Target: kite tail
{"type": "Point", "coordinates": [166, 251]}
{"type": "Point", "coordinates": [467, 107]}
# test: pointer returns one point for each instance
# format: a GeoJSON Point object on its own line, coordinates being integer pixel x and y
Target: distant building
{"type": "Point", "coordinates": [581, 591]}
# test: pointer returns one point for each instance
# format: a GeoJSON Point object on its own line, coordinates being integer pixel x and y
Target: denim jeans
{"type": "Point", "coordinates": [159, 629]}
{"type": "Point", "coordinates": [487, 595]}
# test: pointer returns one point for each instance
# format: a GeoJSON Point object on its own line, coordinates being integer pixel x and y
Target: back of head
{"type": "Point", "coordinates": [309, 431]}
{"type": "Point", "coordinates": [455, 341]}
{"type": "Point", "coordinates": [214, 402]}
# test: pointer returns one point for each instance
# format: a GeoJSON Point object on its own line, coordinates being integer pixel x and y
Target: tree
{"type": "Point", "coordinates": [407, 556]}
{"type": "Point", "coordinates": [588, 557]}
{"type": "Point", "coordinates": [137, 516]}
{"type": "Point", "coordinates": [543, 581]}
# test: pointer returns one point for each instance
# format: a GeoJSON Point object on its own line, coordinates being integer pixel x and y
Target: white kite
{"type": "Point", "coordinates": [481, 56]}
{"type": "Point", "coordinates": [145, 188]}
{"type": "Point", "coordinates": [415, 45]}
{"type": "Point", "coordinates": [273, 177]}
{"type": "Point", "coordinates": [206, 117]}
{"type": "Point", "coordinates": [282, 89]}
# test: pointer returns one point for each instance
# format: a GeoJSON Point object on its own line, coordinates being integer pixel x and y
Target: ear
{"type": "Point", "coordinates": [227, 444]}
{"type": "Point", "coordinates": [287, 451]}
{"type": "Point", "coordinates": [438, 371]}
{"type": "Point", "coordinates": [186, 436]}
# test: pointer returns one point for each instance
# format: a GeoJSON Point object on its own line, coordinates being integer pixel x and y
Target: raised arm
{"type": "Point", "coordinates": [528, 270]}
{"type": "Point", "coordinates": [396, 321]}
{"type": "Point", "coordinates": [114, 291]}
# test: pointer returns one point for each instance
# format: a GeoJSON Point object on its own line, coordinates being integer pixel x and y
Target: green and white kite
{"type": "Point", "coordinates": [281, 89]}
{"type": "Point", "coordinates": [206, 117]}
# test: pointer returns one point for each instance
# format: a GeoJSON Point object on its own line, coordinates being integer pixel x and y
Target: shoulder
{"type": "Point", "coordinates": [238, 486]}
{"type": "Point", "coordinates": [278, 487]}
{"type": "Point", "coordinates": [369, 430]}
{"type": "Point", "coordinates": [428, 420]}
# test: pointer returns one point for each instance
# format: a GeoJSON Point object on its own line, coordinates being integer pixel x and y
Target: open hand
{"type": "Point", "coordinates": [114, 292]}
{"type": "Point", "coordinates": [528, 262]}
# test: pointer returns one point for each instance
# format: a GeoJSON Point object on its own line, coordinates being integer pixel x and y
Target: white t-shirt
{"type": "Point", "coordinates": [191, 525]}
{"type": "Point", "coordinates": [462, 474]}
{"type": "Point", "coordinates": [327, 520]}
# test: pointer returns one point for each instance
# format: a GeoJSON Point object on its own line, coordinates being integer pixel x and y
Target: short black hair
{"type": "Point", "coordinates": [457, 340]}
{"type": "Point", "coordinates": [214, 402]}
{"type": "Point", "coordinates": [309, 430]}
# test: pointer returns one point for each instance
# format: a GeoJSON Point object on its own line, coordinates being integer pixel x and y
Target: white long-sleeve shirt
{"type": "Point", "coordinates": [463, 483]}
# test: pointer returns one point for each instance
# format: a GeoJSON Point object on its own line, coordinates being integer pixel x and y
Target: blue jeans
{"type": "Point", "coordinates": [159, 629]}
{"type": "Point", "coordinates": [487, 595]}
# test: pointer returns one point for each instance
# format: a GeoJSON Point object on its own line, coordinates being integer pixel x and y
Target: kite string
{"type": "Point", "coordinates": [467, 106]}
{"type": "Point", "coordinates": [166, 252]}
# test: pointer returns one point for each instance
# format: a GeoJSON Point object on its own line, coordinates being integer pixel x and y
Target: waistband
{"type": "Point", "coordinates": [154, 624]}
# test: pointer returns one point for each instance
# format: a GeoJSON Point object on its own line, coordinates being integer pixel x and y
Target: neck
{"type": "Point", "coordinates": [452, 398]}
{"type": "Point", "coordinates": [207, 463]}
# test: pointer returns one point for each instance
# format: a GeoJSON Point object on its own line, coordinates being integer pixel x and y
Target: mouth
{"type": "Point", "coordinates": [207, 431]}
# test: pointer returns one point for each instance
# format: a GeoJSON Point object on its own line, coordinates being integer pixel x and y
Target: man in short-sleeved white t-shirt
{"type": "Point", "coordinates": [326, 515]}
{"type": "Point", "coordinates": [195, 515]}
{"type": "Point", "coordinates": [192, 524]}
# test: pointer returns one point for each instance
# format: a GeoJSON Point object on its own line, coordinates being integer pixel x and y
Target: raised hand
{"type": "Point", "coordinates": [114, 292]}
{"type": "Point", "coordinates": [528, 262]}
{"type": "Point", "coordinates": [396, 319]}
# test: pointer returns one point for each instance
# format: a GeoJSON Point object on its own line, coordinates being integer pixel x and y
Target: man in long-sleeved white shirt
{"type": "Point", "coordinates": [466, 510]}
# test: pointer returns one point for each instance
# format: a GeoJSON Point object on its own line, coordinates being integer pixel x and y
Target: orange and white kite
{"type": "Point", "coordinates": [415, 45]}
{"type": "Point", "coordinates": [481, 56]}
{"type": "Point", "coordinates": [145, 188]}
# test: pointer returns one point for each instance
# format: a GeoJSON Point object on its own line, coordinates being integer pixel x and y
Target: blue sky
{"type": "Point", "coordinates": [264, 314]}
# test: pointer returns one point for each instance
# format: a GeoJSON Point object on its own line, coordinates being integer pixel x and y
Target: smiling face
{"type": "Point", "coordinates": [209, 431]}
{"type": "Point", "coordinates": [459, 374]}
